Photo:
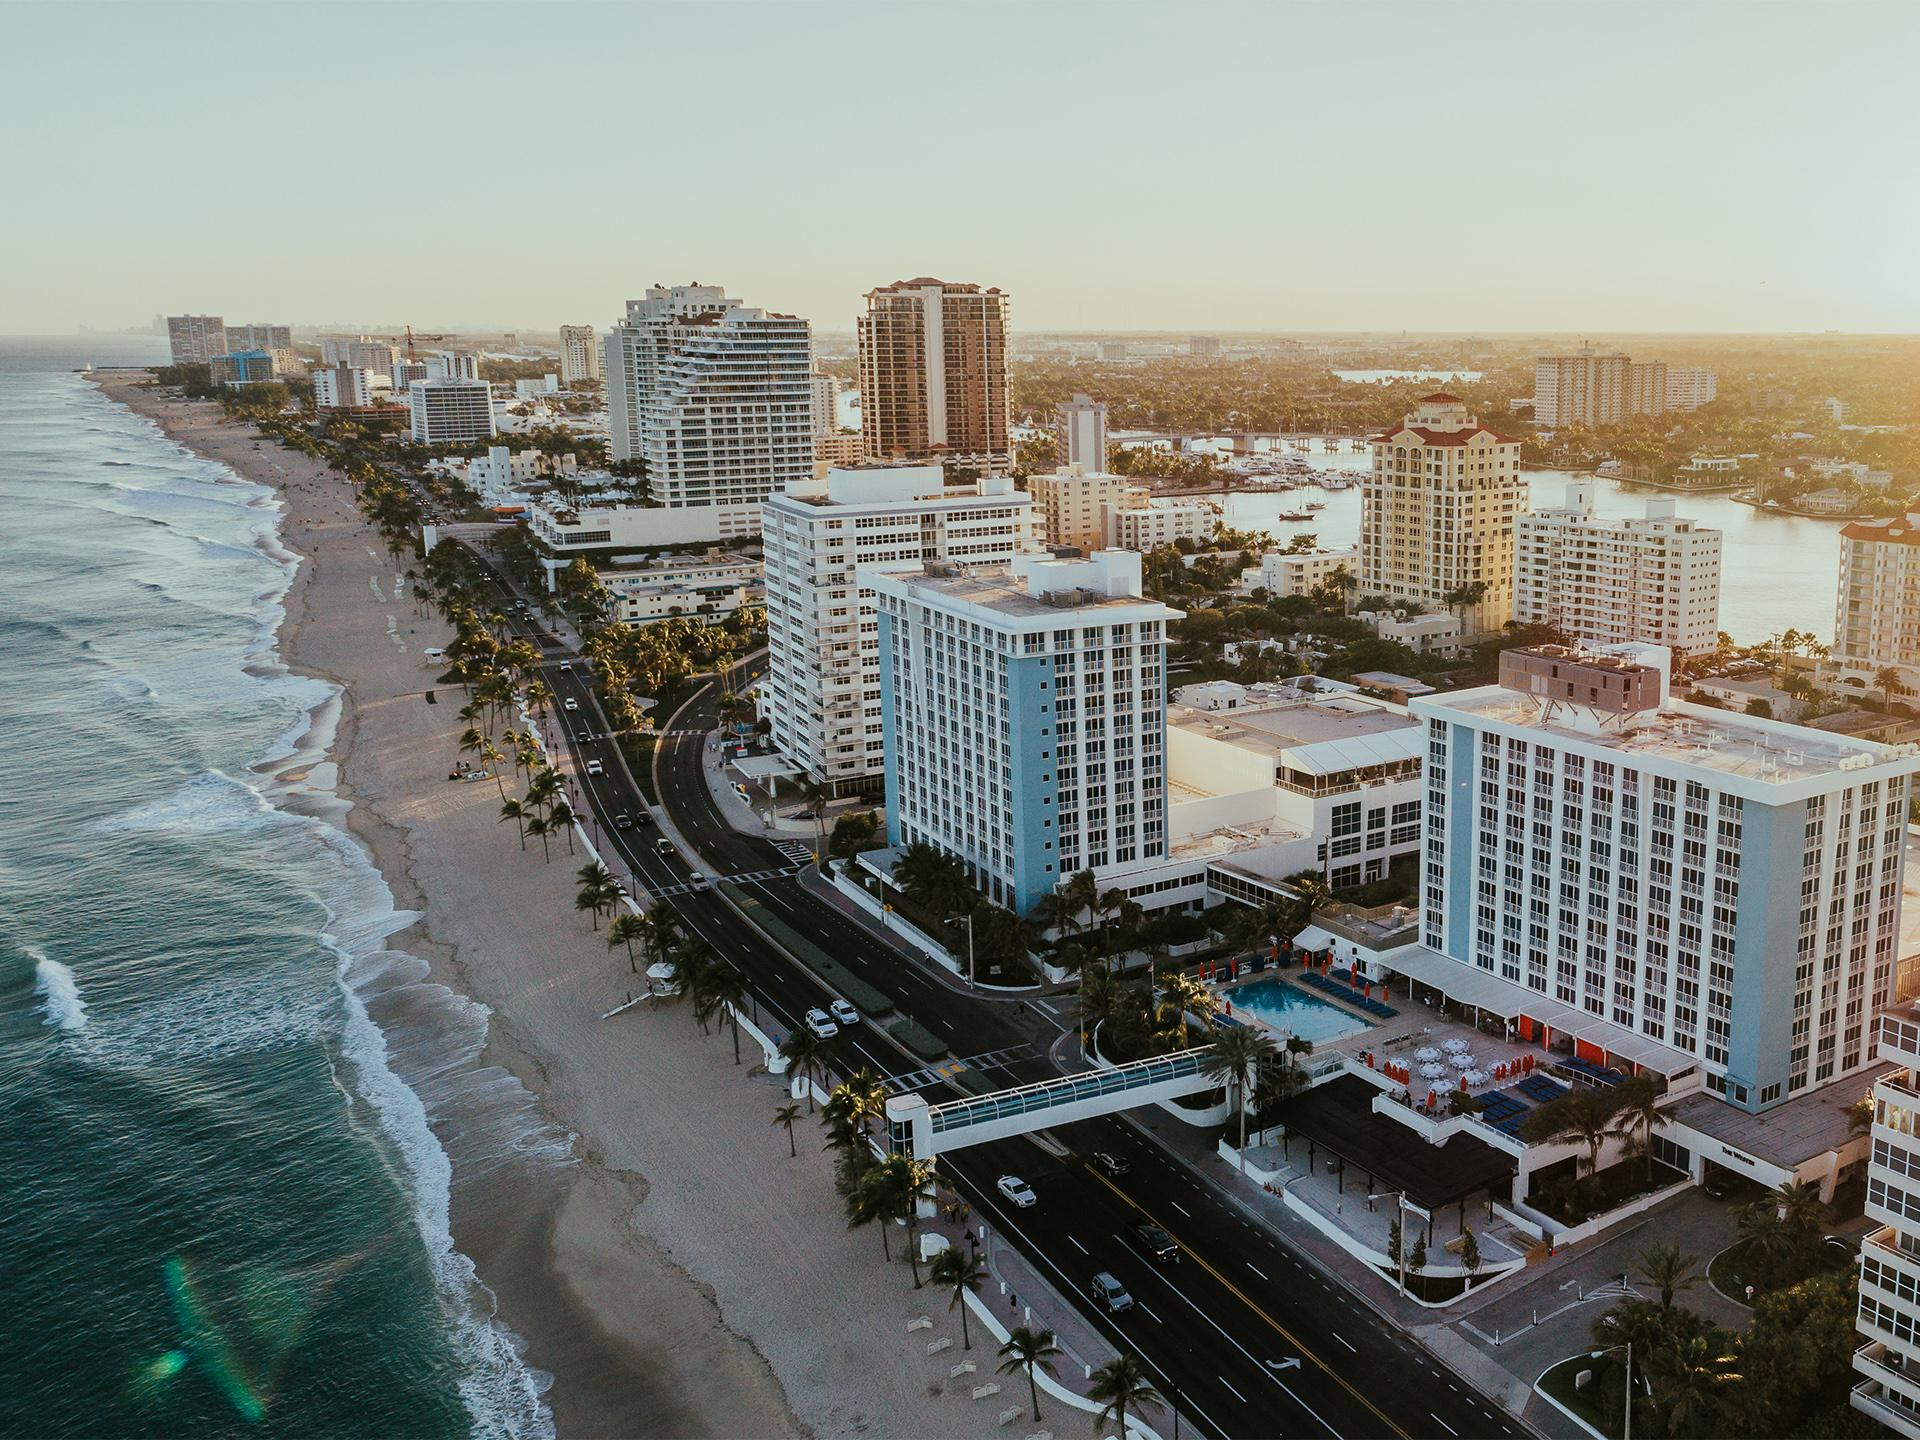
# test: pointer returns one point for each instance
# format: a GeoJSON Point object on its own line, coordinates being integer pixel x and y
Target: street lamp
{"type": "Point", "coordinates": [1404, 1206]}
{"type": "Point", "coordinates": [970, 947]}
{"type": "Point", "coordinates": [1626, 1432]}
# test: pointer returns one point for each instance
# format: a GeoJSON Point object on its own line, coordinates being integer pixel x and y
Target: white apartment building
{"type": "Point", "coordinates": [453, 365]}
{"type": "Point", "coordinates": [1072, 505]}
{"type": "Point", "coordinates": [1611, 582]}
{"type": "Point", "coordinates": [1140, 524]}
{"type": "Point", "coordinates": [825, 391]}
{"type": "Point", "coordinates": [1081, 428]}
{"type": "Point", "coordinates": [1888, 1318]}
{"type": "Point", "coordinates": [715, 396]}
{"type": "Point", "coordinates": [1205, 346]}
{"type": "Point", "coordinates": [1025, 717]}
{"type": "Point", "coordinates": [709, 585]}
{"type": "Point", "coordinates": [341, 387]}
{"type": "Point", "coordinates": [259, 337]}
{"type": "Point", "coordinates": [579, 354]}
{"type": "Point", "coordinates": [1689, 387]}
{"type": "Point", "coordinates": [448, 412]}
{"type": "Point", "coordinates": [1437, 513]}
{"type": "Point", "coordinates": [1652, 873]}
{"type": "Point", "coordinates": [1301, 572]}
{"type": "Point", "coordinates": [534, 389]}
{"type": "Point", "coordinates": [503, 476]}
{"type": "Point", "coordinates": [196, 339]}
{"type": "Point", "coordinates": [1877, 623]}
{"type": "Point", "coordinates": [821, 694]}
{"type": "Point", "coordinates": [404, 372]}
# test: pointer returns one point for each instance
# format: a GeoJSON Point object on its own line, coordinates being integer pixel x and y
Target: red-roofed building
{"type": "Point", "coordinates": [1877, 625]}
{"type": "Point", "coordinates": [1437, 515]}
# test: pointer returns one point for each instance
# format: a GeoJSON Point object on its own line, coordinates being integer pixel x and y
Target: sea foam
{"type": "Point", "coordinates": [60, 998]}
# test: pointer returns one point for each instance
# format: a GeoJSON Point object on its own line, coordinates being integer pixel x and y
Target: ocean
{"type": "Point", "coordinates": [221, 1093]}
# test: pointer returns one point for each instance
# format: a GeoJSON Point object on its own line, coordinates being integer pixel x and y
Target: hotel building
{"type": "Point", "coordinates": [1082, 430]}
{"type": "Point", "coordinates": [1688, 387]}
{"type": "Point", "coordinates": [242, 367]}
{"type": "Point", "coordinates": [579, 355]}
{"type": "Point", "coordinates": [1138, 523]}
{"type": "Point", "coordinates": [450, 411]}
{"type": "Point", "coordinates": [933, 375]}
{"type": "Point", "coordinates": [1877, 624]}
{"type": "Point", "coordinates": [1025, 717]}
{"type": "Point", "coordinates": [822, 690]}
{"type": "Point", "coordinates": [1724, 887]}
{"type": "Point", "coordinates": [1073, 505]}
{"type": "Point", "coordinates": [714, 395]}
{"type": "Point", "coordinates": [1888, 1319]}
{"type": "Point", "coordinates": [453, 365]}
{"type": "Point", "coordinates": [1437, 513]}
{"type": "Point", "coordinates": [1611, 582]}
{"type": "Point", "coordinates": [196, 339]}
{"type": "Point", "coordinates": [1593, 388]}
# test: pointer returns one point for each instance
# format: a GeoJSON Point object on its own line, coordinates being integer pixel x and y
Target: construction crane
{"type": "Point", "coordinates": [410, 337]}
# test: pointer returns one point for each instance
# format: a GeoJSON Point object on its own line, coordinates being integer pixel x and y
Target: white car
{"type": "Point", "coordinates": [1016, 1190]}
{"type": "Point", "coordinates": [594, 768]}
{"type": "Point", "coordinates": [572, 704]}
{"type": "Point", "coordinates": [566, 667]}
{"type": "Point", "coordinates": [821, 1024]}
{"type": "Point", "coordinates": [845, 1013]}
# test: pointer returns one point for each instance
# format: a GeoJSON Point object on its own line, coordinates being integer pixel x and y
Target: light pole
{"type": "Point", "coordinates": [1626, 1432]}
{"type": "Point", "coordinates": [970, 947]}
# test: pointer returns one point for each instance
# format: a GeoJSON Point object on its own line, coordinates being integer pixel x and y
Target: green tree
{"type": "Point", "coordinates": [1119, 1386]}
{"type": "Point", "coordinates": [786, 1115]}
{"type": "Point", "coordinates": [1237, 1054]}
{"type": "Point", "coordinates": [1029, 1349]}
{"type": "Point", "coordinates": [803, 1051]}
{"type": "Point", "coordinates": [960, 1274]}
{"type": "Point", "coordinates": [1668, 1270]}
{"type": "Point", "coordinates": [624, 930]}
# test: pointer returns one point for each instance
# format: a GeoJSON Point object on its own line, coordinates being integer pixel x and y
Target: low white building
{"type": "Point", "coordinates": [450, 412]}
{"type": "Point", "coordinates": [548, 384]}
{"type": "Point", "coordinates": [503, 476]}
{"type": "Point", "coordinates": [1150, 524]}
{"type": "Point", "coordinates": [1435, 634]}
{"type": "Point", "coordinates": [1301, 572]}
{"type": "Point", "coordinates": [710, 585]}
{"type": "Point", "coordinates": [566, 530]}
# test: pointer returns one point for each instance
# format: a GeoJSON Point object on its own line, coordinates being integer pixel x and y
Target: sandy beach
{"type": "Point", "coordinates": [617, 1184]}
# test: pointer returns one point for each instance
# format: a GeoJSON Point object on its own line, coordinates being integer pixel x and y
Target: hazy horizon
{"type": "Point", "coordinates": [1489, 168]}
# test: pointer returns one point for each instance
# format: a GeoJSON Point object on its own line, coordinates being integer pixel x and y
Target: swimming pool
{"type": "Point", "coordinates": [1288, 1007]}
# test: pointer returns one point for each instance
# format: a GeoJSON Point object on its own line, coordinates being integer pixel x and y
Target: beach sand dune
{"type": "Point", "coordinates": [681, 1275]}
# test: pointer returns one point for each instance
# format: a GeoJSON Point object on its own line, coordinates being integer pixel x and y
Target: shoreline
{"type": "Point", "coordinates": [632, 1216]}
{"type": "Point", "coordinates": [556, 1257]}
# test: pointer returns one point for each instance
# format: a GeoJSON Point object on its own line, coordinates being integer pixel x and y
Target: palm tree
{"type": "Point", "coordinates": [538, 826]}
{"type": "Point", "coordinates": [1185, 995]}
{"type": "Point", "coordinates": [961, 1274]}
{"type": "Point", "coordinates": [871, 1205]}
{"type": "Point", "coordinates": [1692, 1371]}
{"type": "Point", "coordinates": [1888, 679]}
{"type": "Point", "coordinates": [814, 794]}
{"type": "Point", "coordinates": [727, 988]}
{"type": "Point", "coordinates": [1238, 1054]}
{"type": "Point", "coordinates": [1668, 1271]}
{"type": "Point", "coordinates": [1118, 1386]}
{"type": "Point", "coordinates": [786, 1115]}
{"type": "Point", "coordinates": [1637, 1106]}
{"type": "Point", "coordinates": [898, 1182]}
{"type": "Point", "coordinates": [624, 930]}
{"type": "Point", "coordinates": [1027, 1349]}
{"type": "Point", "coordinates": [1581, 1114]}
{"type": "Point", "coordinates": [513, 810]}
{"type": "Point", "coordinates": [1766, 1241]}
{"type": "Point", "coordinates": [804, 1050]}
{"type": "Point", "coordinates": [561, 818]}
{"type": "Point", "coordinates": [1802, 1211]}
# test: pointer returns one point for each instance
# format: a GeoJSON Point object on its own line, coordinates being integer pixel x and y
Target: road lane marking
{"type": "Point", "coordinates": [1181, 1208]}
{"type": "Point", "coordinates": [1343, 1340]}
{"type": "Point", "coordinates": [1231, 1391]}
{"type": "Point", "coordinates": [1441, 1423]}
{"type": "Point", "coordinates": [1078, 1246]}
{"type": "Point", "coordinates": [1305, 1350]}
{"type": "Point", "coordinates": [1149, 1309]}
{"type": "Point", "coordinates": [1256, 1270]}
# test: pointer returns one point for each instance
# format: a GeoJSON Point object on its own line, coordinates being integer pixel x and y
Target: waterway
{"type": "Point", "coordinates": [1776, 571]}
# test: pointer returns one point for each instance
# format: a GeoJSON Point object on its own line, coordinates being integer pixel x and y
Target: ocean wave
{"type": "Point", "coordinates": [211, 803]}
{"type": "Point", "coordinates": [59, 991]}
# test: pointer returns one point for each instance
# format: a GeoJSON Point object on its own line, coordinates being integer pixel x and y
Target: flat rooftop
{"type": "Point", "coordinates": [1788, 1135]}
{"type": "Point", "coordinates": [1698, 735]}
{"type": "Point", "coordinates": [1285, 724]}
{"type": "Point", "coordinates": [1001, 591]}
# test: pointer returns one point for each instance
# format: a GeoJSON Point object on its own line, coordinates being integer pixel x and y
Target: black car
{"type": "Point", "coordinates": [1153, 1242]}
{"type": "Point", "coordinates": [1110, 1164]}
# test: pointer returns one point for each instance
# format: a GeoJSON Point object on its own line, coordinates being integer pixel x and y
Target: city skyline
{"type": "Point", "coordinates": [1733, 194]}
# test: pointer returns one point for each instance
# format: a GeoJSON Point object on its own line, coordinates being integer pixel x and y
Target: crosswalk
{"type": "Point", "coordinates": [794, 850]}
{"type": "Point", "coordinates": [948, 1069]}
{"type": "Point", "coordinates": [749, 877]}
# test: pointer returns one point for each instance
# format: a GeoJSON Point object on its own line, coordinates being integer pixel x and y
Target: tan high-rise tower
{"type": "Point", "coordinates": [1437, 515]}
{"type": "Point", "coordinates": [933, 375]}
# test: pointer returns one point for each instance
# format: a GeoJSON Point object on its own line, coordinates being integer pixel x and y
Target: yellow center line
{"type": "Point", "coordinates": [1248, 1301]}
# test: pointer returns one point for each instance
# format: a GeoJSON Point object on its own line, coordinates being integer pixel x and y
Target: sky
{"type": "Point", "coordinates": [1540, 166]}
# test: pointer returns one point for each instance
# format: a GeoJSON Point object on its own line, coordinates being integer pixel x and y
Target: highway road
{"type": "Point", "coordinates": [1250, 1335]}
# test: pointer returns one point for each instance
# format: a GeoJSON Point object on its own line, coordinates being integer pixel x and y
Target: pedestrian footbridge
{"type": "Point", "coordinates": [923, 1130]}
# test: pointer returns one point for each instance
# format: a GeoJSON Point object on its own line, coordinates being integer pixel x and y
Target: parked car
{"type": "Point", "coordinates": [1153, 1242]}
{"type": "Point", "coordinates": [844, 1013]}
{"type": "Point", "coordinates": [1108, 1163]}
{"type": "Point", "coordinates": [1016, 1190]}
{"type": "Point", "coordinates": [821, 1024]}
{"type": "Point", "coordinates": [1108, 1290]}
